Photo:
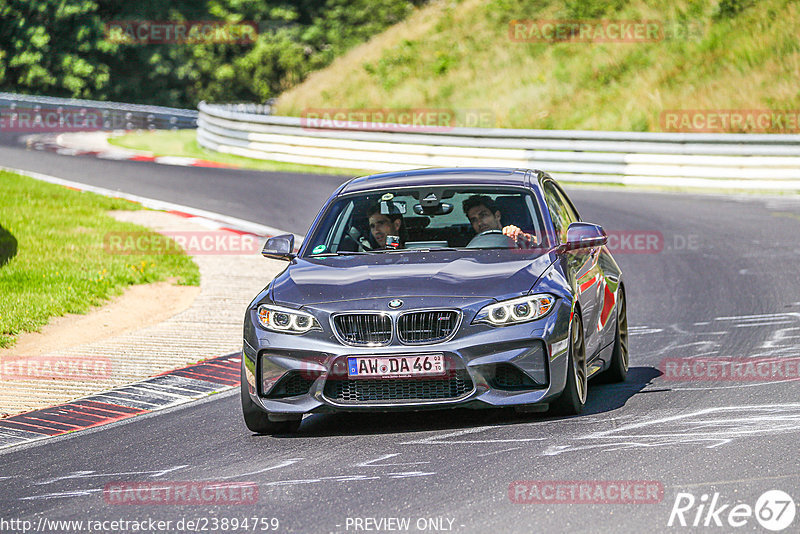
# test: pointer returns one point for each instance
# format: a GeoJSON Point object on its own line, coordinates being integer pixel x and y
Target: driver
{"type": "Point", "coordinates": [382, 225]}
{"type": "Point", "coordinates": [484, 215]}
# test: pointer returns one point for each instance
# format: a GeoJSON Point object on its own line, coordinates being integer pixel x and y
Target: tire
{"type": "Point", "coordinates": [618, 368]}
{"type": "Point", "coordinates": [257, 419]}
{"type": "Point", "coordinates": [573, 398]}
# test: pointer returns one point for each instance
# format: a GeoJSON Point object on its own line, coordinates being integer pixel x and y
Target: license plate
{"type": "Point", "coordinates": [396, 366]}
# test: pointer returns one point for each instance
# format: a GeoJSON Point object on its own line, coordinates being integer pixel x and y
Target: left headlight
{"type": "Point", "coordinates": [285, 320]}
{"type": "Point", "coordinates": [515, 311]}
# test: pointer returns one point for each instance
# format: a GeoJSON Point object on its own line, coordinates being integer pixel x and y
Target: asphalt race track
{"type": "Point", "coordinates": [721, 281]}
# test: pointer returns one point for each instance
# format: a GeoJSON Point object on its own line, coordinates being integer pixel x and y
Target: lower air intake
{"type": "Point", "coordinates": [291, 385]}
{"type": "Point", "coordinates": [398, 389]}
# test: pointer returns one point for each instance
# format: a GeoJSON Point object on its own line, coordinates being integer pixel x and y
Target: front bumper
{"type": "Point", "coordinates": [487, 367]}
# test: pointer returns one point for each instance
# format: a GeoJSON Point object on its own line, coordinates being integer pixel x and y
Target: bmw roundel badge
{"type": "Point", "coordinates": [396, 303]}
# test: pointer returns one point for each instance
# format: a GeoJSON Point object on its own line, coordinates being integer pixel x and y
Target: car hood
{"type": "Point", "coordinates": [486, 274]}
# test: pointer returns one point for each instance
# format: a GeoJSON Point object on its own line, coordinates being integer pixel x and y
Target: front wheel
{"type": "Point", "coordinates": [257, 419]}
{"type": "Point", "coordinates": [573, 398]}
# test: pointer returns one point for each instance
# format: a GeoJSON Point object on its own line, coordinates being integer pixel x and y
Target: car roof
{"type": "Point", "coordinates": [439, 176]}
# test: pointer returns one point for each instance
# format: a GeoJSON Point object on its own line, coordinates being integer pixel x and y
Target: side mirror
{"type": "Point", "coordinates": [279, 248]}
{"type": "Point", "coordinates": [581, 235]}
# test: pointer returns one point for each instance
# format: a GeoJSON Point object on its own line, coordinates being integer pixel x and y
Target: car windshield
{"type": "Point", "coordinates": [429, 218]}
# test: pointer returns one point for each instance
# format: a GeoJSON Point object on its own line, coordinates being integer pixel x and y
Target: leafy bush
{"type": "Point", "coordinates": [59, 47]}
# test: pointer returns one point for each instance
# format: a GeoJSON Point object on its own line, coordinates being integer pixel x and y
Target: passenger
{"type": "Point", "coordinates": [382, 225]}
{"type": "Point", "coordinates": [484, 215]}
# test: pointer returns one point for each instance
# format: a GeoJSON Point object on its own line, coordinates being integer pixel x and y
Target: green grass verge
{"type": "Point", "coordinates": [52, 255]}
{"type": "Point", "coordinates": [184, 143]}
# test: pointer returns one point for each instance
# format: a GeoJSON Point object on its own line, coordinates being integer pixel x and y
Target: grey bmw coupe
{"type": "Point", "coordinates": [433, 289]}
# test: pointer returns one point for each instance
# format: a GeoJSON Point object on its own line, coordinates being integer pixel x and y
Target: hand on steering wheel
{"type": "Point", "coordinates": [523, 240]}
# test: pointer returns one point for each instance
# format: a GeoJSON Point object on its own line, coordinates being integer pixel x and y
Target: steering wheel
{"type": "Point", "coordinates": [491, 239]}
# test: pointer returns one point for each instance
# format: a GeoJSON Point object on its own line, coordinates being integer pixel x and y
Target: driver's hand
{"type": "Point", "coordinates": [522, 239]}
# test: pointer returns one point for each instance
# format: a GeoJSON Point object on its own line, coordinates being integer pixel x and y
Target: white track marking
{"type": "Point", "coordinates": [778, 337]}
{"type": "Point", "coordinates": [93, 474]}
{"type": "Point", "coordinates": [722, 333]}
{"type": "Point", "coordinates": [477, 441]}
{"type": "Point", "coordinates": [643, 330]}
{"type": "Point", "coordinates": [76, 474]}
{"type": "Point", "coordinates": [61, 495]}
{"type": "Point", "coordinates": [735, 409]}
{"type": "Point", "coordinates": [755, 317]}
{"type": "Point", "coordinates": [457, 433]}
{"type": "Point", "coordinates": [585, 420]}
{"type": "Point", "coordinates": [345, 478]}
{"type": "Point", "coordinates": [285, 463]}
{"type": "Point", "coordinates": [410, 474]}
{"type": "Point", "coordinates": [763, 324]}
{"type": "Point", "coordinates": [372, 463]}
{"type": "Point", "coordinates": [713, 427]}
{"type": "Point", "coordinates": [737, 386]}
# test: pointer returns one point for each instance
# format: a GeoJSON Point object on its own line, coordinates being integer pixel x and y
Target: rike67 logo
{"type": "Point", "coordinates": [774, 510]}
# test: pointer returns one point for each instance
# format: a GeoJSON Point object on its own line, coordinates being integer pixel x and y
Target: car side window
{"type": "Point", "coordinates": [570, 209]}
{"type": "Point", "coordinates": [560, 212]}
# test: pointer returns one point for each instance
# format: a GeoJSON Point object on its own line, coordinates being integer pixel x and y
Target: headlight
{"type": "Point", "coordinates": [516, 311]}
{"type": "Point", "coordinates": [285, 320]}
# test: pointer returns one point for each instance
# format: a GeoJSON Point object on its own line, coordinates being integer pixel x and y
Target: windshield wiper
{"type": "Point", "coordinates": [415, 249]}
{"type": "Point", "coordinates": [433, 249]}
{"type": "Point", "coordinates": [329, 254]}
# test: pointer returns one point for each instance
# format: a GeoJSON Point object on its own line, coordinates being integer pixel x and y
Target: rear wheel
{"type": "Point", "coordinates": [573, 398]}
{"type": "Point", "coordinates": [257, 419]}
{"type": "Point", "coordinates": [618, 369]}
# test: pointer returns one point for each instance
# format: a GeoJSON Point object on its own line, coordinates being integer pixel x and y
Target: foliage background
{"type": "Point", "coordinates": [58, 47]}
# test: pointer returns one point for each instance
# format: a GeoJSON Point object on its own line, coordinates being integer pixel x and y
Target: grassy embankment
{"type": "Point", "coordinates": [52, 256]}
{"type": "Point", "coordinates": [727, 54]}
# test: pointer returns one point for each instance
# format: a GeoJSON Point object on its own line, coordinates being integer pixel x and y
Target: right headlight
{"type": "Point", "coordinates": [285, 320]}
{"type": "Point", "coordinates": [517, 310]}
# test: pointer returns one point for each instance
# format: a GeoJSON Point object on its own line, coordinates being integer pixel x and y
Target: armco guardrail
{"type": "Point", "coordinates": [736, 161]}
{"type": "Point", "coordinates": [38, 114]}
